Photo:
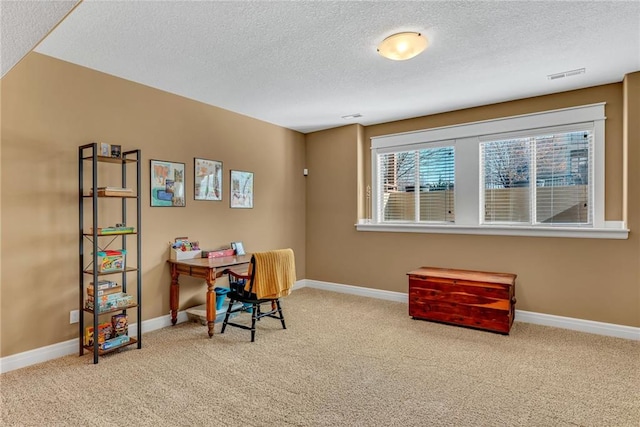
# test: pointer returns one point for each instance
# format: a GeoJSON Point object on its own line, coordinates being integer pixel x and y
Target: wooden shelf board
{"type": "Point", "coordinates": [110, 234]}
{"type": "Point", "coordinates": [88, 196]}
{"type": "Point", "coordinates": [106, 159]}
{"type": "Point", "coordinates": [104, 273]}
{"type": "Point", "coordinates": [88, 310]}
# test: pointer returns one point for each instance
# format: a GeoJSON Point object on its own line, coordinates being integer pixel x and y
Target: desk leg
{"type": "Point", "coordinates": [174, 296]}
{"type": "Point", "coordinates": [211, 305]}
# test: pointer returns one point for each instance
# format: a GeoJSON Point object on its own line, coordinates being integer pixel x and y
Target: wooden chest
{"type": "Point", "coordinates": [461, 297]}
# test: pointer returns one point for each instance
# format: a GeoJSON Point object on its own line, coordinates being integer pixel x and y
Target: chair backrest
{"type": "Point", "coordinates": [272, 274]}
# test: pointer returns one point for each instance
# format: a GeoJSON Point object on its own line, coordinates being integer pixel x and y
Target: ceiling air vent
{"type": "Point", "coordinates": [352, 116]}
{"type": "Point", "coordinates": [566, 74]}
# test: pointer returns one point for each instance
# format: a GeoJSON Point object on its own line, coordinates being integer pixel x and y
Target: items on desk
{"type": "Point", "coordinates": [183, 248]}
{"type": "Point", "coordinates": [218, 253]}
{"type": "Point", "coordinates": [238, 247]}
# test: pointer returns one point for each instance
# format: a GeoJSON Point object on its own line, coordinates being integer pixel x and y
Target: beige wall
{"type": "Point", "coordinates": [590, 279]}
{"type": "Point", "coordinates": [50, 108]}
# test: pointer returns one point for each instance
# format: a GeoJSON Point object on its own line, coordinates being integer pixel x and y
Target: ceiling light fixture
{"type": "Point", "coordinates": [402, 46]}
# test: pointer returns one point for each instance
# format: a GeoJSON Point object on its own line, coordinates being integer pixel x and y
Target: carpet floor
{"type": "Point", "coordinates": [343, 361]}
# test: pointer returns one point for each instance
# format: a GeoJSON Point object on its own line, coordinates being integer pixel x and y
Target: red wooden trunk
{"type": "Point", "coordinates": [461, 297]}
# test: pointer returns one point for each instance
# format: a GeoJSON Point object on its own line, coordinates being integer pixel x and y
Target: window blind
{"type": "Point", "coordinates": [563, 177]}
{"type": "Point", "coordinates": [506, 165]}
{"type": "Point", "coordinates": [417, 185]}
{"type": "Point", "coordinates": [540, 179]}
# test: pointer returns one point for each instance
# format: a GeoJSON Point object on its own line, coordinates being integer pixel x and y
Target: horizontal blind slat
{"type": "Point", "coordinates": [429, 172]}
{"type": "Point", "coordinates": [563, 169]}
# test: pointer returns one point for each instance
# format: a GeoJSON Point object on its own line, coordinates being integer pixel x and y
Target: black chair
{"type": "Point", "coordinates": [276, 273]}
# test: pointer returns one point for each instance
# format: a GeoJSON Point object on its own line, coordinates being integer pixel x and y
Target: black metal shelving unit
{"type": "Point", "coordinates": [91, 241]}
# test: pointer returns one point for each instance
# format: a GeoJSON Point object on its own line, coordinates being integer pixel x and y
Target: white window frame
{"type": "Point", "coordinates": [414, 147]}
{"type": "Point", "coordinates": [466, 139]}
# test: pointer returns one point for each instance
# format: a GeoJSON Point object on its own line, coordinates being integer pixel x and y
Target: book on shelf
{"type": "Point", "coordinates": [122, 189]}
{"type": "Point", "coordinates": [113, 191]}
{"type": "Point", "coordinates": [110, 302]}
{"type": "Point", "coordinates": [115, 342]}
{"type": "Point", "coordinates": [114, 230]}
{"type": "Point", "coordinates": [108, 291]}
{"type": "Point", "coordinates": [104, 284]}
{"type": "Point", "coordinates": [103, 299]}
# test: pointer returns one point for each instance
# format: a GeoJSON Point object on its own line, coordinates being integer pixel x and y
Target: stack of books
{"type": "Point", "coordinates": [109, 296]}
{"type": "Point", "coordinates": [105, 287]}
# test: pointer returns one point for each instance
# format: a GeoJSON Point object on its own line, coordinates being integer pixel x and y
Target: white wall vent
{"type": "Point", "coordinates": [566, 74]}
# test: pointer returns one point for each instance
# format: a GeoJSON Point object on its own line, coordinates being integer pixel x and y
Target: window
{"type": "Point", "coordinates": [542, 179]}
{"type": "Point", "coordinates": [539, 174]}
{"type": "Point", "coordinates": [417, 185]}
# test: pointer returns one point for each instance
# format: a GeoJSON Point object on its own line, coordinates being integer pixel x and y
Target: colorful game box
{"type": "Point", "coordinates": [120, 324]}
{"type": "Point", "coordinates": [105, 332]}
{"type": "Point", "coordinates": [111, 260]}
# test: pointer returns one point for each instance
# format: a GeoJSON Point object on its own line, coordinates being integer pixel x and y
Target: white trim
{"type": "Point", "coordinates": [357, 290]}
{"type": "Point", "coordinates": [611, 230]}
{"type": "Point", "coordinates": [581, 325]}
{"type": "Point", "coordinates": [38, 355]}
{"type": "Point", "coordinates": [544, 119]}
{"type": "Point", "coordinates": [468, 204]}
{"type": "Point", "coordinates": [54, 351]}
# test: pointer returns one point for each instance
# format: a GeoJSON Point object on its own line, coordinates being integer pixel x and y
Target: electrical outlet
{"type": "Point", "coordinates": [74, 316]}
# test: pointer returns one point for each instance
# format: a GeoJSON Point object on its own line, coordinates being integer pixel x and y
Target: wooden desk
{"type": "Point", "coordinates": [202, 268]}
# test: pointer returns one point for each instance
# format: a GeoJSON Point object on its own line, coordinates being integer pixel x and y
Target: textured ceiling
{"type": "Point", "coordinates": [23, 24]}
{"type": "Point", "coordinates": [304, 64]}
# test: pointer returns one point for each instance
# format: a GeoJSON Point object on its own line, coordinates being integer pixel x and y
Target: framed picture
{"type": "Point", "coordinates": [238, 247]}
{"type": "Point", "coordinates": [105, 149]}
{"type": "Point", "coordinates": [116, 151]}
{"type": "Point", "coordinates": [167, 183]}
{"type": "Point", "coordinates": [241, 189]}
{"type": "Point", "coordinates": [207, 179]}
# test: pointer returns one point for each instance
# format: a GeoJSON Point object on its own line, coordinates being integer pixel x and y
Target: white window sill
{"type": "Point", "coordinates": [612, 230]}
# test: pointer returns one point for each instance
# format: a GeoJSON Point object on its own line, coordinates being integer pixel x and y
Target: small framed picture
{"type": "Point", "coordinates": [207, 179]}
{"type": "Point", "coordinates": [105, 149]}
{"type": "Point", "coordinates": [167, 183]}
{"type": "Point", "coordinates": [241, 189]}
{"type": "Point", "coordinates": [238, 248]}
{"type": "Point", "coordinates": [116, 151]}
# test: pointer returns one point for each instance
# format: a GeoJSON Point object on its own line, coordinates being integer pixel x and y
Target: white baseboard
{"type": "Point", "coordinates": [589, 326]}
{"type": "Point", "coordinates": [54, 351]}
{"type": "Point", "coordinates": [581, 325]}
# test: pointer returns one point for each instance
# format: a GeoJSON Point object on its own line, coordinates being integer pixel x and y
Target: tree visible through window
{"type": "Point", "coordinates": [558, 165]}
{"type": "Point", "coordinates": [417, 185]}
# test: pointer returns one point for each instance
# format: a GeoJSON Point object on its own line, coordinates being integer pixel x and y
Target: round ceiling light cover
{"type": "Point", "coordinates": [402, 46]}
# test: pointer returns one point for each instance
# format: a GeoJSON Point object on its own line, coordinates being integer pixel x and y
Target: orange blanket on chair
{"type": "Point", "coordinates": [275, 273]}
